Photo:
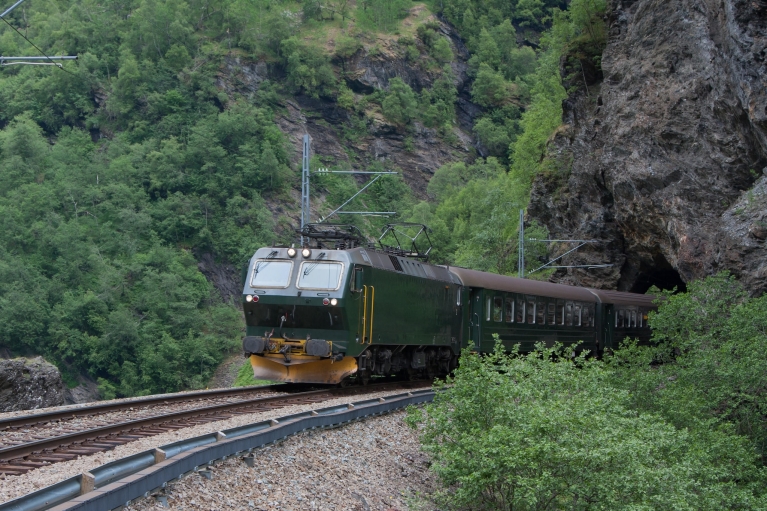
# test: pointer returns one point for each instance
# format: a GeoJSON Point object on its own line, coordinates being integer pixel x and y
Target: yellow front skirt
{"type": "Point", "coordinates": [302, 369]}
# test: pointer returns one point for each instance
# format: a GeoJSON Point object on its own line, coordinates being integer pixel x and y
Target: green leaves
{"type": "Point", "coordinates": [549, 431]}
{"type": "Point", "coordinates": [400, 104]}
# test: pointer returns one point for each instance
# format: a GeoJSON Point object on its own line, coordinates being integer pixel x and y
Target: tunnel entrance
{"type": "Point", "coordinates": [660, 273]}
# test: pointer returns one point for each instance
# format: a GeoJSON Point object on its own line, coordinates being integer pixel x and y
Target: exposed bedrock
{"type": "Point", "coordinates": [663, 161]}
{"type": "Point", "coordinates": [28, 384]}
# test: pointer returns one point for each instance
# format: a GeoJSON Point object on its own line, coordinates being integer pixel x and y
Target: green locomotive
{"type": "Point", "coordinates": [320, 315]}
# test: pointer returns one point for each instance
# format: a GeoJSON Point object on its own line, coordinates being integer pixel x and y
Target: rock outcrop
{"type": "Point", "coordinates": [662, 161]}
{"type": "Point", "coordinates": [29, 384]}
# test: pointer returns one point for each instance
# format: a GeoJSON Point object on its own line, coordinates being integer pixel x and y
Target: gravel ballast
{"type": "Point", "coordinates": [371, 465]}
{"type": "Point", "coordinates": [386, 438]}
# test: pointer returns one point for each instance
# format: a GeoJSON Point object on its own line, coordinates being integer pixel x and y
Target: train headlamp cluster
{"type": "Point", "coordinates": [331, 301]}
{"type": "Point", "coordinates": [251, 298]}
{"type": "Point", "coordinates": [306, 253]}
{"type": "Point", "coordinates": [291, 252]}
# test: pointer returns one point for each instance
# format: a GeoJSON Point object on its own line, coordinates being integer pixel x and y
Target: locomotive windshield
{"type": "Point", "coordinates": [270, 273]}
{"type": "Point", "coordinates": [320, 275]}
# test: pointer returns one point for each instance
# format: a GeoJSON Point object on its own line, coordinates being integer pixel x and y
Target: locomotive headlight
{"type": "Point", "coordinates": [249, 298]}
{"type": "Point", "coordinates": [306, 253]}
{"type": "Point", "coordinates": [333, 302]}
{"type": "Point", "coordinates": [291, 252]}
{"type": "Point", "coordinates": [325, 301]}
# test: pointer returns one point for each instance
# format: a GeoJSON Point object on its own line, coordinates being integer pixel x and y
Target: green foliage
{"type": "Point", "coordinates": [400, 104]}
{"type": "Point", "coordinates": [490, 89]}
{"type": "Point", "coordinates": [438, 103]}
{"type": "Point", "coordinates": [711, 340]}
{"type": "Point", "coordinates": [441, 51]}
{"type": "Point", "coordinates": [546, 431]}
{"type": "Point", "coordinates": [308, 69]}
{"type": "Point", "coordinates": [245, 378]}
{"type": "Point", "coordinates": [382, 15]}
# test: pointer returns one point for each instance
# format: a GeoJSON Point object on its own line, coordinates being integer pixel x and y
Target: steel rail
{"type": "Point", "coordinates": [8, 454]}
{"type": "Point", "coordinates": [118, 483]}
{"type": "Point", "coordinates": [28, 420]}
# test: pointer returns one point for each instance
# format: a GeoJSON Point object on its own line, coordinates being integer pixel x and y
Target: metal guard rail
{"type": "Point", "coordinates": [119, 482]}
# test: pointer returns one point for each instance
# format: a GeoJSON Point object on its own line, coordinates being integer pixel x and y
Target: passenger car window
{"type": "Point", "coordinates": [569, 314]}
{"type": "Point", "coordinates": [577, 316]}
{"type": "Point", "coordinates": [487, 309]}
{"type": "Point", "coordinates": [498, 309]}
{"type": "Point", "coordinates": [270, 273]}
{"type": "Point", "coordinates": [540, 312]}
{"type": "Point", "coordinates": [520, 312]}
{"type": "Point", "coordinates": [619, 318]}
{"type": "Point", "coordinates": [552, 314]}
{"type": "Point", "coordinates": [530, 310]}
{"type": "Point", "coordinates": [560, 312]}
{"type": "Point", "coordinates": [509, 310]}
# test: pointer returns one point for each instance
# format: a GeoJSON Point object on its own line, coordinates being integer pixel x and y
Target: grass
{"type": "Point", "coordinates": [245, 377]}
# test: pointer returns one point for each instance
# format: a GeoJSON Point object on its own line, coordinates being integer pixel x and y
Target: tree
{"type": "Point", "coordinates": [400, 103]}
{"type": "Point", "coordinates": [490, 89]}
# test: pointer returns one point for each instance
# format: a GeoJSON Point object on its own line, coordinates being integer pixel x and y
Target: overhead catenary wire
{"type": "Point", "coordinates": [52, 63]}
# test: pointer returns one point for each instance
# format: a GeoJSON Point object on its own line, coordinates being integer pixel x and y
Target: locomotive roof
{"type": "Point", "coordinates": [495, 282]}
{"type": "Point", "coordinates": [399, 264]}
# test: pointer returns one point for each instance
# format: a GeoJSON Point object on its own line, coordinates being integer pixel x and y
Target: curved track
{"type": "Point", "coordinates": [36, 452]}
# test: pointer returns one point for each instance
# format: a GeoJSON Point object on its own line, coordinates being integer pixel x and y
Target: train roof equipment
{"type": "Point", "coordinates": [411, 240]}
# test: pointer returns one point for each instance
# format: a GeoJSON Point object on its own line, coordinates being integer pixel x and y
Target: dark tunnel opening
{"type": "Point", "coordinates": [660, 274]}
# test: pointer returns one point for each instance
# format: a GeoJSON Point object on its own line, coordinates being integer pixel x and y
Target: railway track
{"type": "Point", "coordinates": [35, 450]}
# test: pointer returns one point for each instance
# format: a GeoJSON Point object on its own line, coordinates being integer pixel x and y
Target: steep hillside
{"type": "Point", "coordinates": [135, 182]}
{"type": "Point", "coordinates": [664, 160]}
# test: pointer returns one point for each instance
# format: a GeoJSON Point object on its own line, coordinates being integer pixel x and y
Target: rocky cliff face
{"type": "Point", "coordinates": [29, 384]}
{"type": "Point", "coordinates": [664, 161]}
{"type": "Point", "coordinates": [417, 153]}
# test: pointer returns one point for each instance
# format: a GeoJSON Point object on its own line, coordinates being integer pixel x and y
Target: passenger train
{"type": "Point", "coordinates": [320, 315]}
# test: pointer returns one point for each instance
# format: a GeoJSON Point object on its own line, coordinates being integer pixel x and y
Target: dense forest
{"type": "Point", "coordinates": [120, 170]}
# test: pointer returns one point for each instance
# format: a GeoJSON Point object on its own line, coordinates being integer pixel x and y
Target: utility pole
{"type": "Point", "coordinates": [305, 186]}
{"type": "Point", "coordinates": [305, 173]}
{"type": "Point", "coordinates": [521, 255]}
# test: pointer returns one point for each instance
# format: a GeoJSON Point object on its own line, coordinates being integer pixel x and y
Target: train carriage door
{"type": "Point", "coordinates": [475, 318]}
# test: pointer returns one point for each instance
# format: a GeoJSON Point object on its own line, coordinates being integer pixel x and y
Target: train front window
{"type": "Point", "coordinates": [271, 273]}
{"type": "Point", "coordinates": [296, 316]}
{"type": "Point", "coordinates": [325, 276]}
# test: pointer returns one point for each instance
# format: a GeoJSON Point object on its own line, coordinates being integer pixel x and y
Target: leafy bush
{"type": "Point", "coordinates": [546, 431]}
{"type": "Point", "coordinates": [400, 104]}
{"type": "Point", "coordinates": [712, 341]}
{"type": "Point", "coordinates": [308, 69]}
